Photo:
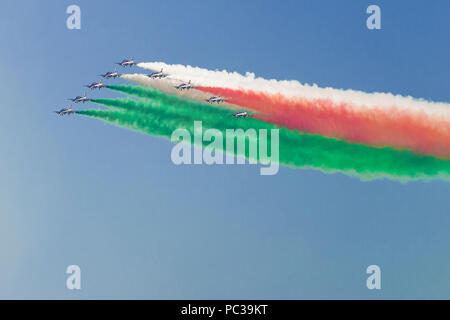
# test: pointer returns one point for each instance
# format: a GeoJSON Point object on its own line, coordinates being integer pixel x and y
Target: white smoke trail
{"type": "Point", "coordinates": [293, 88]}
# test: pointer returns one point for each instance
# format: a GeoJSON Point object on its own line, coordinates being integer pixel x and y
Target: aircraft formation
{"type": "Point", "coordinates": [154, 75]}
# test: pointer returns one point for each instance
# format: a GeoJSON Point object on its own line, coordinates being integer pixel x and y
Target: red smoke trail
{"type": "Point", "coordinates": [377, 127]}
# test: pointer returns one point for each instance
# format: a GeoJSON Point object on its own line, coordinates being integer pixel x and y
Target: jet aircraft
{"type": "Point", "coordinates": [65, 111]}
{"type": "Point", "coordinates": [218, 99]}
{"type": "Point", "coordinates": [243, 114]}
{"type": "Point", "coordinates": [107, 75]}
{"type": "Point", "coordinates": [185, 86]}
{"type": "Point", "coordinates": [126, 63]}
{"type": "Point", "coordinates": [96, 85]}
{"type": "Point", "coordinates": [157, 75]}
{"type": "Point", "coordinates": [80, 99]}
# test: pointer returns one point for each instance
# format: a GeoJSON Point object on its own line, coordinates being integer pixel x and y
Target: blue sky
{"type": "Point", "coordinates": [78, 191]}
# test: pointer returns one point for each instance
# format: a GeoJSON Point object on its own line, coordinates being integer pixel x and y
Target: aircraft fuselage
{"type": "Point", "coordinates": [241, 115]}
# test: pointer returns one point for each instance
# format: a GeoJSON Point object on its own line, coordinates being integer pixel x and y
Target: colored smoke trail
{"type": "Point", "coordinates": [376, 127]}
{"type": "Point", "coordinates": [164, 102]}
{"type": "Point", "coordinates": [153, 93]}
{"type": "Point", "coordinates": [165, 85]}
{"type": "Point", "coordinates": [293, 88]}
{"type": "Point", "coordinates": [296, 149]}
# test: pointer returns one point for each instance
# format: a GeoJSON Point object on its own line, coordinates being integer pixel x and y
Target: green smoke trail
{"type": "Point", "coordinates": [157, 117]}
{"type": "Point", "coordinates": [142, 92]}
{"type": "Point", "coordinates": [152, 121]}
{"type": "Point", "coordinates": [167, 100]}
